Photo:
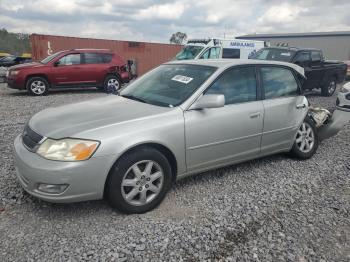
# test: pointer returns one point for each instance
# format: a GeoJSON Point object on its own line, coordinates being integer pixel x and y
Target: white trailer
{"type": "Point", "coordinates": [215, 48]}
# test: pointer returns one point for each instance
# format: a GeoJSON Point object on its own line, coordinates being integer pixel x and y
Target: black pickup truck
{"type": "Point", "coordinates": [319, 73]}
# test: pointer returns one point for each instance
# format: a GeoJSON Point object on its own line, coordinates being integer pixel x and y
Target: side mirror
{"type": "Point", "coordinates": [57, 63]}
{"type": "Point", "coordinates": [209, 101]}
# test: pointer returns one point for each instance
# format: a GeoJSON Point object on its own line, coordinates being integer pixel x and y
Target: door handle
{"type": "Point", "coordinates": [300, 106]}
{"type": "Point", "coordinates": [255, 115]}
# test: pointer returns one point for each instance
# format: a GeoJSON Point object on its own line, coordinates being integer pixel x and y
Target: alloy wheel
{"type": "Point", "coordinates": [305, 139]}
{"type": "Point", "coordinates": [38, 87]}
{"type": "Point", "coordinates": [142, 183]}
{"type": "Point", "coordinates": [113, 85]}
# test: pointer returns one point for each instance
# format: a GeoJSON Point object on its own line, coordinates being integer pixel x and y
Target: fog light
{"type": "Point", "coordinates": [52, 189]}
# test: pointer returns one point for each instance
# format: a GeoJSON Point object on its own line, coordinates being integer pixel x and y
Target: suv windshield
{"type": "Point", "coordinates": [168, 85]}
{"type": "Point", "coordinates": [276, 54]}
{"type": "Point", "coordinates": [49, 58]}
{"type": "Point", "coordinates": [188, 52]}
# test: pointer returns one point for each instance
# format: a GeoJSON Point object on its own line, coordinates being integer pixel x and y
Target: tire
{"type": "Point", "coordinates": [139, 191]}
{"type": "Point", "coordinates": [330, 87]}
{"type": "Point", "coordinates": [111, 84]}
{"type": "Point", "coordinates": [305, 138]}
{"type": "Point", "coordinates": [37, 86]}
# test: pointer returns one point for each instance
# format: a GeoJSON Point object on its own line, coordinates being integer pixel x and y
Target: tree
{"type": "Point", "coordinates": [14, 43]}
{"type": "Point", "coordinates": [178, 38]}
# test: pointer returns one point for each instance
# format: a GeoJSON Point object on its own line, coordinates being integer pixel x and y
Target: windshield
{"type": "Point", "coordinates": [188, 52]}
{"type": "Point", "coordinates": [168, 85]}
{"type": "Point", "coordinates": [276, 54]}
{"type": "Point", "coordinates": [49, 58]}
{"type": "Point", "coordinates": [8, 59]}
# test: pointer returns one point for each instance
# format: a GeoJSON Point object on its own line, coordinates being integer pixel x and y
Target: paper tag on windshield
{"type": "Point", "coordinates": [182, 79]}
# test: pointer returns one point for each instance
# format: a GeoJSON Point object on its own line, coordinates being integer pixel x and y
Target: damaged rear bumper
{"type": "Point", "coordinates": [333, 125]}
{"type": "Point", "coordinates": [329, 124]}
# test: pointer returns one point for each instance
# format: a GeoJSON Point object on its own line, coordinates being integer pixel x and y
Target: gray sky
{"type": "Point", "coordinates": [148, 20]}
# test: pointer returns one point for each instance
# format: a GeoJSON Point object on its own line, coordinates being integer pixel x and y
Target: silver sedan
{"type": "Point", "coordinates": [179, 119]}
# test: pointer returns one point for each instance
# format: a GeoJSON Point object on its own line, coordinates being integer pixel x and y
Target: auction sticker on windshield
{"type": "Point", "coordinates": [182, 79]}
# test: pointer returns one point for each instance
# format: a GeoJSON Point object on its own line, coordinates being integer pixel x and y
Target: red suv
{"type": "Point", "coordinates": [73, 68]}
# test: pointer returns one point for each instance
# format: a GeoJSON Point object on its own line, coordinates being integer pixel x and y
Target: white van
{"type": "Point", "coordinates": [214, 48]}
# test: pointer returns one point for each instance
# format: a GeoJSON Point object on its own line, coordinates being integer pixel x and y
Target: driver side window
{"type": "Point", "coordinates": [211, 53]}
{"type": "Point", "coordinates": [302, 58]}
{"type": "Point", "coordinates": [238, 85]}
{"type": "Point", "coordinates": [71, 59]}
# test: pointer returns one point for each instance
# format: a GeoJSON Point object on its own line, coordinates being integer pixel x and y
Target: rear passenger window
{"type": "Point", "coordinates": [107, 58]}
{"type": "Point", "coordinates": [231, 53]}
{"type": "Point", "coordinates": [237, 85]}
{"type": "Point", "coordinates": [97, 58]}
{"type": "Point", "coordinates": [278, 82]}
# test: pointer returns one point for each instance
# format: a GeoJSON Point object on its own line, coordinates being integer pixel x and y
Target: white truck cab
{"type": "Point", "coordinates": [214, 48]}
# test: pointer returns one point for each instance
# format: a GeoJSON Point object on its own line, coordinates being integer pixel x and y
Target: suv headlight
{"type": "Point", "coordinates": [14, 72]}
{"type": "Point", "coordinates": [67, 149]}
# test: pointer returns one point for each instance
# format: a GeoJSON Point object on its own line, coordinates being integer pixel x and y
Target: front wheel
{"type": "Point", "coordinates": [111, 84]}
{"type": "Point", "coordinates": [306, 140]}
{"type": "Point", "coordinates": [139, 181]}
{"type": "Point", "coordinates": [37, 86]}
{"type": "Point", "coordinates": [330, 87]}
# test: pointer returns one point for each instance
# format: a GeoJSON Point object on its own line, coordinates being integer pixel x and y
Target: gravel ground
{"type": "Point", "coordinates": [271, 209]}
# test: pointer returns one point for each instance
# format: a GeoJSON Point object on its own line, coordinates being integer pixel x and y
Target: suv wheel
{"type": "Point", "coordinates": [111, 84]}
{"type": "Point", "coordinates": [37, 86]}
{"type": "Point", "coordinates": [330, 87]}
{"type": "Point", "coordinates": [139, 181]}
{"type": "Point", "coordinates": [306, 140]}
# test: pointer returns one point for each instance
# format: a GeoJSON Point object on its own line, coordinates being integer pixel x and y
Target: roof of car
{"type": "Point", "coordinates": [95, 50]}
{"type": "Point", "coordinates": [225, 63]}
{"type": "Point", "coordinates": [292, 48]}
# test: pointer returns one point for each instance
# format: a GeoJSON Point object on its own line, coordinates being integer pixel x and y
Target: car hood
{"type": "Point", "coordinates": [26, 65]}
{"type": "Point", "coordinates": [70, 120]}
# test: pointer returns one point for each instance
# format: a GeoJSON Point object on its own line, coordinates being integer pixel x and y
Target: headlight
{"type": "Point", "coordinates": [345, 90]}
{"type": "Point", "coordinates": [14, 72]}
{"type": "Point", "coordinates": [67, 149]}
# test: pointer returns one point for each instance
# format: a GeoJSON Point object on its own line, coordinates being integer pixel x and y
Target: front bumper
{"type": "Point", "coordinates": [12, 83]}
{"type": "Point", "coordinates": [343, 101]}
{"type": "Point", "coordinates": [85, 179]}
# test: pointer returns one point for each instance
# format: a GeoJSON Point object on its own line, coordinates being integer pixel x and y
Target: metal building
{"type": "Point", "coordinates": [335, 45]}
{"type": "Point", "coordinates": [146, 55]}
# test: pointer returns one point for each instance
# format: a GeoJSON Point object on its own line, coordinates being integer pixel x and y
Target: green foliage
{"type": "Point", "coordinates": [178, 38]}
{"type": "Point", "coordinates": [14, 43]}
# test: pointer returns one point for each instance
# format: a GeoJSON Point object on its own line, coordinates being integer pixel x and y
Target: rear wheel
{"type": "Point", "coordinates": [139, 181]}
{"type": "Point", "coordinates": [37, 86]}
{"type": "Point", "coordinates": [306, 140]}
{"type": "Point", "coordinates": [330, 87]}
{"type": "Point", "coordinates": [112, 84]}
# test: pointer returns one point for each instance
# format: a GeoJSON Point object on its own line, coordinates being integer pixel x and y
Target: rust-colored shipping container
{"type": "Point", "coordinates": [146, 55]}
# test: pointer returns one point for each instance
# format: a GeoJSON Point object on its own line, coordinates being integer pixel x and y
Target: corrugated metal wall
{"type": "Point", "coordinates": [147, 55]}
{"type": "Point", "coordinates": [333, 47]}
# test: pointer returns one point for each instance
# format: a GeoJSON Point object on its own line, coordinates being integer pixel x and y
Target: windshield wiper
{"type": "Point", "coordinates": [134, 98]}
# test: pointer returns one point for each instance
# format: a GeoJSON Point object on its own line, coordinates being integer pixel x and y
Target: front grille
{"type": "Point", "coordinates": [30, 138]}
